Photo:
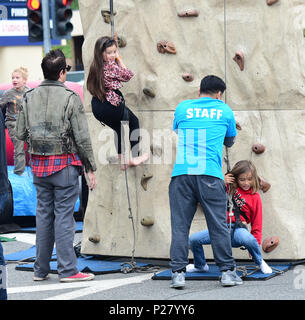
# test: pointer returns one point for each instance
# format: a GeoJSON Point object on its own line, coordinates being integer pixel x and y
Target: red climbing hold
{"type": "Point", "coordinates": [264, 185]}
{"type": "Point", "coordinates": [271, 2]}
{"type": "Point", "coordinates": [258, 148]}
{"type": "Point", "coordinates": [270, 243]}
{"type": "Point", "coordinates": [240, 60]}
{"type": "Point", "coordinates": [187, 77]}
{"type": "Point", "coordinates": [188, 13]}
{"type": "Point", "coordinates": [166, 46]}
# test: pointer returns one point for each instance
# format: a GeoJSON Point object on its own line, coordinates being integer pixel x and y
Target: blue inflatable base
{"type": "Point", "coordinates": [28, 255]}
{"type": "Point", "coordinates": [24, 193]}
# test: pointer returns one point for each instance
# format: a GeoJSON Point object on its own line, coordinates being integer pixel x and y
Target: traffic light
{"type": "Point", "coordinates": [61, 15]}
{"type": "Point", "coordinates": [35, 20]}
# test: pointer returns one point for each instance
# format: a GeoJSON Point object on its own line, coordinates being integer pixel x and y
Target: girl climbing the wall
{"type": "Point", "coordinates": [11, 102]}
{"type": "Point", "coordinates": [106, 74]}
{"type": "Point", "coordinates": [244, 185]}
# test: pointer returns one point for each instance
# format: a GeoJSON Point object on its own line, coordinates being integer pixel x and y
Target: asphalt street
{"type": "Point", "coordinates": [136, 287]}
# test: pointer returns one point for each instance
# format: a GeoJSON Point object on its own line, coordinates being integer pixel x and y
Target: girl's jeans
{"type": "Point", "coordinates": [240, 237]}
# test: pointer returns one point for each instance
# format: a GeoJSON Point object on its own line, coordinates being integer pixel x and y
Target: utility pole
{"type": "Point", "coordinates": [46, 26]}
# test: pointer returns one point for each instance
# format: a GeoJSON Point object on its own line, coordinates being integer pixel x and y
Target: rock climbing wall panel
{"type": "Point", "coordinates": [258, 47]}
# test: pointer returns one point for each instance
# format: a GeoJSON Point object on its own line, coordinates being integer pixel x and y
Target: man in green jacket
{"type": "Point", "coordinates": [53, 122]}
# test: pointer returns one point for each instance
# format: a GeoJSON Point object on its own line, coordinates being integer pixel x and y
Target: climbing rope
{"type": "Point", "coordinates": [230, 200]}
{"type": "Point", "coordinates": [111, 19]}
{"type": "Point", "coordinates": [226, 158]}
{"type": "Point", "coordinates": [129, 266]}
{"type": "Point", "coordinates": [225, 42]}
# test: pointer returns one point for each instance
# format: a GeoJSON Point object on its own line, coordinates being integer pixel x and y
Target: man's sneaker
{"type": "Point", "coordinates": [178, 280]}
{"type": "Point", "coordinates": [192, 268]}
{"type": "Point", "coordinates": [78, 277]}
{"type": "Point", "coordinates": [41, 278]}
{"type": "Point", "coordinates": [230, 278]}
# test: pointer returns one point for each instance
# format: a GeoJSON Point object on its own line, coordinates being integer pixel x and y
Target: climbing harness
{"type": "Point", "coordinates": [230, 200]}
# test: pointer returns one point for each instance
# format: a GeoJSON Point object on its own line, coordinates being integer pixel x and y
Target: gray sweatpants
{"type": "Point", "coordinates": [185, 192]}
{"type": "Point", "coordinates": [19, 152]}
{"type": "Point", "coordinates": [56, 198]}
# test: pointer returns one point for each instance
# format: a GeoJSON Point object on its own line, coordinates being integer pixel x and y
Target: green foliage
{"type": "Point", "coordinates": [74, 5]}
{"type": "Point", "coordinates": [65, 49]}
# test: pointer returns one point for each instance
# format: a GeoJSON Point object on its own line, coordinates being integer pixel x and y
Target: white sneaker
{"type": "Point", "coordinates": [265, 268]}
{"type": "Point", "coordinates": [192, 268]}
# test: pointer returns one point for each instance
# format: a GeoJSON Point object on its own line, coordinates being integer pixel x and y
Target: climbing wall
{"type": "Point", "coordinates": [258, 48]}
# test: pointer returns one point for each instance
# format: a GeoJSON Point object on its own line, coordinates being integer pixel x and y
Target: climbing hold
{"type": "Point", "coordinates": [238, 126]}
{"type": "Point", "coordinates": [107, 15]}
{"type": "Point", "coordinates": [258, 148]}
{"type": "Point", "coordinates": [147, 221]}
{"type": "Point", "coordinates": [156, 150]}
{"type": "Point", "coordinates": [270, 243]}
{"type": "Point", "coordinates": [112, 159]}
{"type": "Point", "coordinates": [144, 179]}
{"type": "Point", "coordinates": [188, 13]}
{"type": "Point", "coordinates": [271, 2]}
{"type": "Point", "coordinates": [166, 46]}
{"type": "Point", "coordinates": [187, 77]}
{"type": "Point", "coordinates": [149, 92]}
{"type": "Point", "coordinates": [95, 239]}
{"type": "Point", "coordinates": [122, 42]}
{"type": "Point", "coordinates": [240, 60]}
{"type": "Point", "coordinates": [264, 185]}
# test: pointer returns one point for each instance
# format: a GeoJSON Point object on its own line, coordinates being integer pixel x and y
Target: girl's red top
{"type": "Point", "coordinates": [251, 205]}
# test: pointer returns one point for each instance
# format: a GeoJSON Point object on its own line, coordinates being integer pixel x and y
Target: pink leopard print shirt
{"type": "Point", "coordinates": [113, 76]}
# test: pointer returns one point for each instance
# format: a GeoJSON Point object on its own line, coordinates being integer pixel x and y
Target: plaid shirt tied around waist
{"type": "Point", "coordinates": [43, 166]}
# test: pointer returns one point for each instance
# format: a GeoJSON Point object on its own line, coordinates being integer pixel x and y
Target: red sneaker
{"type": "Point", "coordinates": [78, 277]}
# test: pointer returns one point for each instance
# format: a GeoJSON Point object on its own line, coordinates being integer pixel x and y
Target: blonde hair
{"type": "Point", "coordinates": [241, 167]}
{"type": "Point", "coordinates": [23, 71]}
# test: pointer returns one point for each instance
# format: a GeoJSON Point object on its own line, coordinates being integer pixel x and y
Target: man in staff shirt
{"type": "Point", "coordinates": [203, 126]}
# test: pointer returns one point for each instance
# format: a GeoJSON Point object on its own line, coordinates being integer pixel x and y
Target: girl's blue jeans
{"type": "Point", "coordinates": [240, 237]}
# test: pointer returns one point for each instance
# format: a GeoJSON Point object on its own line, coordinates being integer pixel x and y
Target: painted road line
{"type": "Point", "coordinates": [101, 285]}
{"type": "Point", "coordinates": [87, 287]}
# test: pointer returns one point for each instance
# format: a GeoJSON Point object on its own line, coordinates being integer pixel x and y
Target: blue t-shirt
{"type": "Point", "coordinates": [202, 125]}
